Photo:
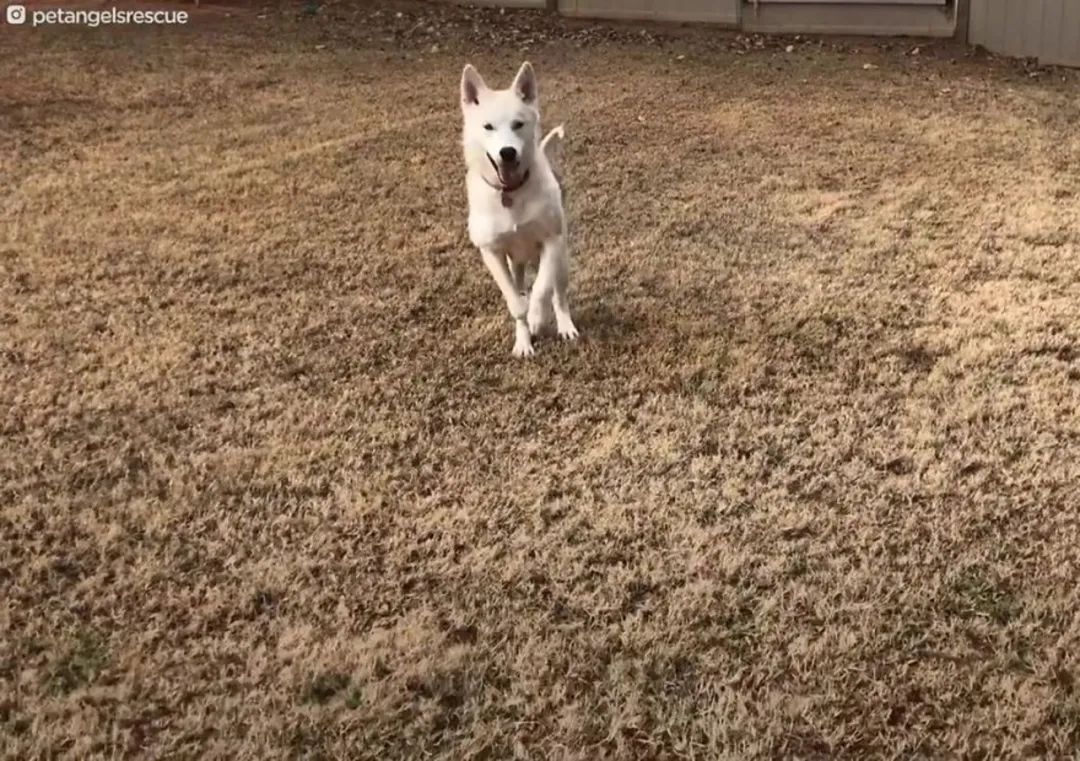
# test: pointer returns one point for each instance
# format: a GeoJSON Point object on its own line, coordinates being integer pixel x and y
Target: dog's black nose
{"type": "Point", "coordinates": [508, 154]}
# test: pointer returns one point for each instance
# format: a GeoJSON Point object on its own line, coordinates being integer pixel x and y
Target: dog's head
{"type": "Point", "coordinates": [501, 125]}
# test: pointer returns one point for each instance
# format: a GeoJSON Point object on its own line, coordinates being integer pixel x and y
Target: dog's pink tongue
{"type": "Point", "coordinates": [507, 176]}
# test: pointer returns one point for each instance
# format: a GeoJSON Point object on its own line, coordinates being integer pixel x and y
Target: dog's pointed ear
{"type": "Point", "coordinates": [525, 83]}
{"type": "Point", "coordinates": [472, 84]}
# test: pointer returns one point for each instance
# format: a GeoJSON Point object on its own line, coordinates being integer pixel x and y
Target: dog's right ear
{"type": "Point", "coordinates": [472, 84]}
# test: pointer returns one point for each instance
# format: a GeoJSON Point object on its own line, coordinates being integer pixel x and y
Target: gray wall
{"type": "Point", "coordinates": [510, 3]}
{"type": "Point", "coordinates": [1045, 29]}
{"type": "Point", "coordinates": [927, 18]}
{"type": "Point", "coordinates": [916, 18]}
{"type": "Point", "coordinates": [712, 11]}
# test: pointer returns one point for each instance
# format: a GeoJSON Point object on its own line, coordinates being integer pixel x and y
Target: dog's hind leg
{"type": "Point", "coordinates": [543, 285]}
{"type": "Point", "coordinates": [517, 305]}
{"type": "Point", "coordinates": [517, 272]}
{"type": "Point", "coordinates": [552, 279]}
{"type": "Point", "coordinates": [559, 301]}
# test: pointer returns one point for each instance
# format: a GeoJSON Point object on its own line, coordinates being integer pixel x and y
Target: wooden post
{"type": "Point", "coordinates": [963, 16]}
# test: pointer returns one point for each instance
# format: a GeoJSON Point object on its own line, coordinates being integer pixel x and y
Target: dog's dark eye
{"type": "Point", "coordinates": [516, 125]}
{"type": "Point", "coordinates": [488, 127]}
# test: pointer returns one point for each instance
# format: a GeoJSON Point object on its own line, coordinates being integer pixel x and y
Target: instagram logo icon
{"type": "Point", "coordinates": [16, 14]}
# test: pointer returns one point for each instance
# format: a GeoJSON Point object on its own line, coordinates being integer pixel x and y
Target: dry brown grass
{"type": "Point", "coordinates": [272, 485]}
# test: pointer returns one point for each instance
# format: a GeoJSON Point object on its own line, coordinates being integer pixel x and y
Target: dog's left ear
{"type": "Point", "coordinates": [525, 83]}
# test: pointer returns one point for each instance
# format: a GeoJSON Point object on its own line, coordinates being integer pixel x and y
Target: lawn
{"type": "Point", "coordinates": [272, 485]}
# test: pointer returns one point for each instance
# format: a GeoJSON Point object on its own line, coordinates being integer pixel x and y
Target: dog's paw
{"type": "Point", "coordinates": [524, 349]}
{"type": "Point", "coordinates": [567, 330]}
{"type": "Point", "coordinates": [540, 319]}
{"type": "Point", "coordinates": [536, 324]}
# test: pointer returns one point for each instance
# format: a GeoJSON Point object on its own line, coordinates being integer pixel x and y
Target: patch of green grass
{"type": "Point", "coordinates": [978, 593]}
{"type": "Point", "coordinates": [79, 666]}
{"type": "Point", "coordinates": [325, 686]}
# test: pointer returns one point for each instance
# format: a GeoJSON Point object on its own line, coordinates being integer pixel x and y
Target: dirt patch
{"type": "Point", "coordinates": [271, 484]}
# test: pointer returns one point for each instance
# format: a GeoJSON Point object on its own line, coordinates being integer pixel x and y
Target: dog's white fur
{"type": "Point", "coordinates": [531, 230]}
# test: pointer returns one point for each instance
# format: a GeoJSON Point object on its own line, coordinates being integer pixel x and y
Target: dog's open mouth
{"type": "Point", "coordinates": [509, 174]}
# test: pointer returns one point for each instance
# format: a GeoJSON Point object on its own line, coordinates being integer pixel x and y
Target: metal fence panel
{"type": "Point", "coordinates": [713, 11]}
{"type": "Point", "coordinates": [1045, 29]}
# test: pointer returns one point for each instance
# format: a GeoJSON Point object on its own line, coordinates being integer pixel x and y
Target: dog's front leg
{"type": "Point", "coordinates": [552, 280]}
{"type": "Point", "coordinates": [496, 265]}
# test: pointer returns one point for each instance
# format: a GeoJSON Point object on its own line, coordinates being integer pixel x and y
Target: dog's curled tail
{"type": "Point", "coordinates": [551, 145]}
{"type": "Point", "coordinates": [556, 134]}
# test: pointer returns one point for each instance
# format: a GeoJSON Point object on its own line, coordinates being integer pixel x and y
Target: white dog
{"type": "Point", "coordinates": [515, 201]}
